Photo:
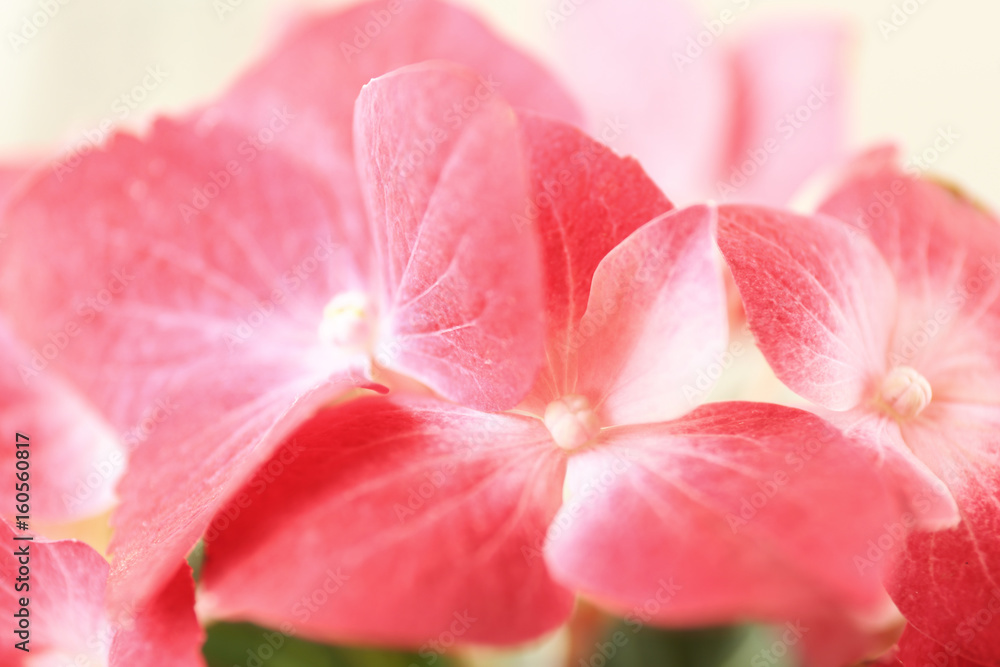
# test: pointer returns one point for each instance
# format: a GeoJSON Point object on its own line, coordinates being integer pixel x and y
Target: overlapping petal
{"type": "Point", "coordinates": [748, 502]}
{"type": "Point", "coordinates": [65, 588]}
{"type": "Point", "coordinates": [655, 320]}
{"type": "Point", "coordinates": [195, 320]}
{"type": "Point", "coordinates": [585, 201]}
{"type": "Point", "coordinates": [397, 521]}
{"type": "Point", "coordinates": [946, 583]}
{"type": "Point", "coordinates": [944, 251]}
{"type": "Point", "coordinates": [821, 304]}
{"type": "Point", "coordinates": [460, 280]}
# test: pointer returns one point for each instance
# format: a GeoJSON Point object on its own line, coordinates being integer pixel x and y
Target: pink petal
{"type": "Point", "coordinates": [945, 253]}
{"type": "Point", "coordinates": [75, 457]}
{"type": "Point", "coordinates": [649, 88]}
{"type": "Point", "coordinates": [66, 588]}
{"type": "Point", "coordinates": [947, 584]}
{"type": "Point", "coordinates": [656, 319]}
{"type": "Point", "coordinates": [317, 70]}
{"type": "Point", "coordinates": [789, 116]}
{"type": "Point", "coordinates": [585, 201]}
{"type": "Point", "coordinates": [461, 281]}
{"type": "Point", "coordinates": [196, 339]}
{"type": "Point", "coordinates": [737, 511]}
{"type": "Point", "coordinates": [11, 176]}
{"type": "Point", "coordinates": [820, 303]}
{"type": "Point", "coordinates": [419, 521]}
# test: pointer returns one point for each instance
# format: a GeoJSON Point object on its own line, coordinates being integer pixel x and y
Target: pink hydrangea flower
{"type": "Point", "coordinates": [299, 100]}
{"type": "Point", "coordinates": [64, 585]}
{"type": "Point", "coordinates": [250, 328]}
{"type": "Point", "coordinates": [246, 322]}
{"type": "Point", "coordinates": [433, 520]}
{"type": "Point", "coordinates": [884, 307]}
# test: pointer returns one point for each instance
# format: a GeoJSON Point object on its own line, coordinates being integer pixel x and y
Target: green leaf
{"type": "Point", "coordinates": [247, 645]}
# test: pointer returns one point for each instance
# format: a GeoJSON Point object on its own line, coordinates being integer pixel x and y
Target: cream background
{"type": "Point", "coordinates": [941, 69]}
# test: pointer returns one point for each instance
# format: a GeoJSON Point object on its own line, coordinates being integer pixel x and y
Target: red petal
{"type": "Point", "coordinates": [656, 319]}
{"type": "Point", "coordinates": [945, 253]}
{"type": "Point", "coordinates": [947, 584]}
{"type": "Point", "coordinates": [820, 303]}
{"type": "Point", "coordinates": [396, 522]}
{"type": "Point", "coordinates": [461, 281]}
{"type": "Point", "coordinates": [585, 201]}
{"type": "Point", "coordinates": [747, 510]}
{"type": "Point", "coordinates": [197, 339]}
{"type": "Point", "coordinates": [164, 631]}
{"type": "Point", "coordinates": [918, 650]}
{"type": "Point", "coordinates": [790, 112]}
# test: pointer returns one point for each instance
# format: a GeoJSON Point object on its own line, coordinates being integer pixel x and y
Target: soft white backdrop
{"type": "Point", "coordinates": [941, 69]}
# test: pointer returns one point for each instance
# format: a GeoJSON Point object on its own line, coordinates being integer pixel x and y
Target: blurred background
{"type": "Point", "coordinates": [918, 68]}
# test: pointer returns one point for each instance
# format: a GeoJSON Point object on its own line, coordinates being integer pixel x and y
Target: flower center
{"type": "Point", "coordinates": [904, 392]}
{"type": "Point", "coordinates": [571, 421]}
{"type": "Point", "coordinates": [347, 321]}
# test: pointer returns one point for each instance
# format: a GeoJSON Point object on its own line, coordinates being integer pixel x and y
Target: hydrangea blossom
{"type": "Point", "coordinates": [431, 515]}
{"type": "Point", "coordinates": [883, 307]}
